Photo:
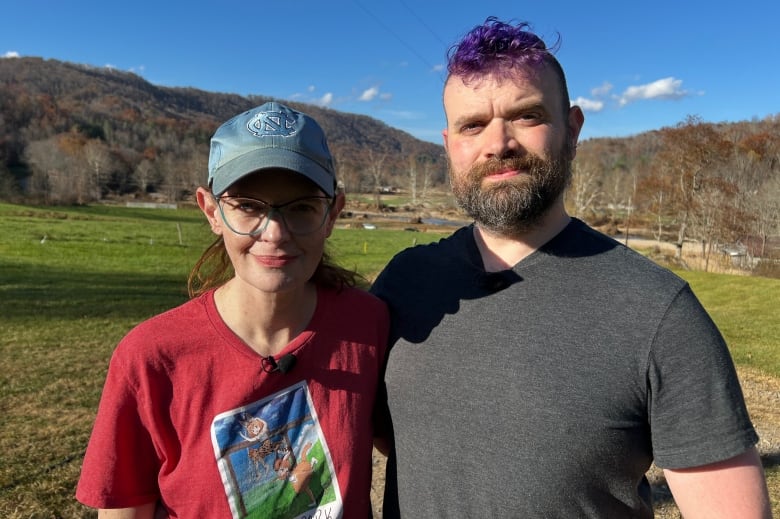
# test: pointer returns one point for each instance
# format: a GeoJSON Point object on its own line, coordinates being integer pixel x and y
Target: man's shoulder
{"type": "Point", "coordinates": [423, 267]}
{"type": "Point", "coordinates": [436, 251]}
{"type": "Point", "coordinates": [618, 261]}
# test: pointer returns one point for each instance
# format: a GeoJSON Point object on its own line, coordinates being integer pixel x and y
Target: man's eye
{"type": "Point", "coordinates": [529, 117]}
{"type": "Point", "coordinates": [471, 127]}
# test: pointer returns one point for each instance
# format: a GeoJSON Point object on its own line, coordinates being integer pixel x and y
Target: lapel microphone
{"type": "Point", "coordinates": [284, 365]}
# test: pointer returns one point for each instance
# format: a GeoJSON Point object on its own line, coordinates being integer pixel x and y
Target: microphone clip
{"type": "Point", "coordinates": [283, 365]}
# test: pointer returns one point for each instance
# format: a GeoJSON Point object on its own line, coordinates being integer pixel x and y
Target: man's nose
{"type": "Point", "coordinates": [500, 139]}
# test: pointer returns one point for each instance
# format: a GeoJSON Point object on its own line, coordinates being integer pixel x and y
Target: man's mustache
{"type": "Point", "coordinates": [492, 166]}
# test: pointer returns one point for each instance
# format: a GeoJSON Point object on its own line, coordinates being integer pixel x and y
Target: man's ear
{"type": "Point", "coordinates": [208, 205]}
{"type": "Point", "coordinates": [575, 122]}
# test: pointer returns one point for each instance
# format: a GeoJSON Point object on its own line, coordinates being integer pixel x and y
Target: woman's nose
{"type": "Point", "coordinates": [274, 228]}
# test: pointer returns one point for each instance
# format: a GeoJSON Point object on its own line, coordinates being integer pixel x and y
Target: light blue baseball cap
{"type": "Point", "coordinates": [270, 136]}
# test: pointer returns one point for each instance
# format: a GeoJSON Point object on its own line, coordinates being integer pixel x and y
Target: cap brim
{"type": "Point", "coordinates": [271, 158]}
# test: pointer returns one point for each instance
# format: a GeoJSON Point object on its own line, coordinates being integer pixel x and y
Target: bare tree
{"type": "Point", "coordinates": [98, 158]}
{"type": "Point", "coordinates": [654, 193]}
{"type": "Point", "coordinates": [690, 151]}
{"type": "Point", "coordinates": [617, 194]}
{"type": "Point", "coordinates": [427, 177]}
{"type": "Point", "coordinates": [755, 168]}
{"type": "Point", "coordinates": [143, 174]}
{"type": "Point", "coordinates": [83, 184]}
{"type": "Point", "coordinates": [708, 222]}
{"type": "Point", "coordinates": [767, 212]}
{"type": "Point", "coordinates": [57, 177]}
{"type": "Point", "coordinates": [375, 165]}
{"type": "Point", "coordinates": [413, 178]}
{"type": "Point", "coordinates": [630, 205]}
{"type": "Point", "coordinates": [585, 190]}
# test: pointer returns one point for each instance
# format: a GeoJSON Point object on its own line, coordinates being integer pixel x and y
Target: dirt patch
{"type": "Point", "coordinates": [378, 483]}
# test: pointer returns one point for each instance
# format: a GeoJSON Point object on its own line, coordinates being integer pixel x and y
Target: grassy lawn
{"type": "Point", "coordinates": [74, 280]}
{"type": "Point", "coordinates": [746, 311]}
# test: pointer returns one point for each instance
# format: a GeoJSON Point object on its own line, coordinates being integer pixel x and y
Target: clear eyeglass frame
{"type": "Point", "coordinates": [250, 216]}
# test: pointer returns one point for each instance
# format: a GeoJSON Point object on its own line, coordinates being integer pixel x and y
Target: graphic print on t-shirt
{"type": "Point", "coordinates": [274, 460]}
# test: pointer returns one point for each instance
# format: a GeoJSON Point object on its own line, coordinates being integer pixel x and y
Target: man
{"type": "Point", "coordinates": [538, 366]}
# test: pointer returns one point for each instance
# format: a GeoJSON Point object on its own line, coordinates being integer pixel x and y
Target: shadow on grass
{"type": "Point", "coordinates": [45, 292]}
{"type": "Point", "coordinates": [99, 212]}
{"type": "Point", "coordinates": [771, 459]}
{"type": "Point", "coordinates": [45, 306]}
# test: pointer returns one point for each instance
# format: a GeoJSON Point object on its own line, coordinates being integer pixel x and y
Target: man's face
{"type": "Point", "coordinates": [510, 148]}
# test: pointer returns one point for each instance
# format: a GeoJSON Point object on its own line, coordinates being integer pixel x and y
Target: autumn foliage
{"type": "Point", "coordinates": [72, 134]}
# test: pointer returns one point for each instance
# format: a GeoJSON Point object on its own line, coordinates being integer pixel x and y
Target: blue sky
{"type": "Point", "coordinates": [633, 66]}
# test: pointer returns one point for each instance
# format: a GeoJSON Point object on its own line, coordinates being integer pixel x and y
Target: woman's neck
{"type": "Point", "coordinates": [265, 321]}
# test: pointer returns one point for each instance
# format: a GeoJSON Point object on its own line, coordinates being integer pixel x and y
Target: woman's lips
{"type": "Point", "coordinates": [275, 261]}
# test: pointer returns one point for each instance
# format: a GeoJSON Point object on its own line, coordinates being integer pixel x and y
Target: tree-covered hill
{"type": "Point", "coordinates": [71, 133]}
{"type": "Point", "coordinates": [75, 133]}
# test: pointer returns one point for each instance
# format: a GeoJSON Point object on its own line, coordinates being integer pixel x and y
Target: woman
{"type": "Point", "coordinates": [255, 397]}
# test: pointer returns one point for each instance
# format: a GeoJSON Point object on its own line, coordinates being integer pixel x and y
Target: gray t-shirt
{"type": "Point", "coordinates": [547, 390]}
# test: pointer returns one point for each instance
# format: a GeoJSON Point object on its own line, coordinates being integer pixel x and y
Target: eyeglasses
{"type": "Point", "coordinates": [250, 217]}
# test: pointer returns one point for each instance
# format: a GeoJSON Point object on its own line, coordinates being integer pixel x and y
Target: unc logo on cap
{"type": "Point", "coordinates": [270, 124]}
{"type": "Point", "coordinates": [271, 136]}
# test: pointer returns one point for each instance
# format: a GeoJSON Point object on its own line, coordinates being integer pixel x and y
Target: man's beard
{"type": "Point", "coordinates": [517, 204]}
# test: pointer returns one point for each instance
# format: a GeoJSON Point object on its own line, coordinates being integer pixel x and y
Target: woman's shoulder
{"type": "Point", "coordinates": [170, 325]}
{"type": "Point", "coordinates": [183, 314]}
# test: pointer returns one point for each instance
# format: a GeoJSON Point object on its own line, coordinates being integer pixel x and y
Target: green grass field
{"type": "Point", "coordinates": [74, 280]}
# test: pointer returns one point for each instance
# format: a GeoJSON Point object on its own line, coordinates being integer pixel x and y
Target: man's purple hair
{"type": "Point", "coordinates": [501, 50]}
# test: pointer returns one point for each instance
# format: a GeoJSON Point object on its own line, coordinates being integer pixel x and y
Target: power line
{"type": "Point", "coordinates": [396, 36]}
{"type": "Point", "coordinates": [422, 22]}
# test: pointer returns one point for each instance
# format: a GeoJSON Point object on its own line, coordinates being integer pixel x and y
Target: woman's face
{"type": "Point", "coordinates": [274, 260]}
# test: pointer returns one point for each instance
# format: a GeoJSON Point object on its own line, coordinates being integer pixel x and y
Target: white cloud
{"type": "Point", "coordinates": [438, 68]}
{"type": "Point", "coordinates": [384, 96]}
{"type": "Point", "coordinates": [666, 88]}
{"type": "Point", "coordinates": [10, 54]}
{"type": "Point", "coordinates": [602, 90]}
{"type": "Point", "coordinates": [588, 105]}
{"type": "Point", "coordinates": [369, 94]}
{"type": "Point", "coordinates": [325, 100]}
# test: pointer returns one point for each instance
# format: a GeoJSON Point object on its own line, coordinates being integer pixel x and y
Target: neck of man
{"type": "Point", "coordinates": [501, 251]}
